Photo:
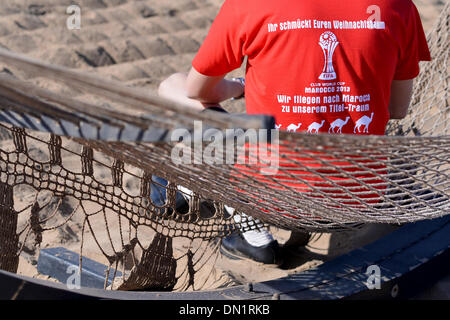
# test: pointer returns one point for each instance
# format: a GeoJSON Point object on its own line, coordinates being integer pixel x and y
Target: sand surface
{"type": "Point", "coordinates": [140, 43]}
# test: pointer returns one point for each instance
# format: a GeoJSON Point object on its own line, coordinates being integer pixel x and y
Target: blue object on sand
{"type": "Point", "coordinates": [62, 264]}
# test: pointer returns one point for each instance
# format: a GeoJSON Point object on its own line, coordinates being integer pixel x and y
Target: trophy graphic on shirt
{"type": "Point", "coordinates": [328, 42]}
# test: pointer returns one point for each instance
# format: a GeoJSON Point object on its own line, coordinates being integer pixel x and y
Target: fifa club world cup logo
{"type": "Point", "coordinates": [328, 42]}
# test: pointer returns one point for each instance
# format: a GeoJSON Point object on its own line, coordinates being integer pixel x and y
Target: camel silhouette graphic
{"type": "Point", "coordinates": [278, 126]}
{"type": "Point", "coordinates": [363, 121]}
{"type": "Point", "coordinates": [293, 128]}
{"type": "Point", "coordinates": [315, 126]}
{"type": "Point", "coordinates": [338, 123]}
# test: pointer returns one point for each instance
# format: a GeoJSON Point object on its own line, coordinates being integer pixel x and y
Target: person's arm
{"type": "Point", "coordinates": [199, 91]}
{"type": "Point", "coordinates": [211, 90]}
{"type": "Point", "coordinates": [401, 93]}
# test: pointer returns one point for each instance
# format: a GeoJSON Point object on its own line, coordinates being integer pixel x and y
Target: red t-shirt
{"type": "Point", "coordinates": [317, 66]}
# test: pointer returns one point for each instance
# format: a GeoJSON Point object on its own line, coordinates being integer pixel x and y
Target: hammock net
{"type": "Point", "coordinates": [79, 166]}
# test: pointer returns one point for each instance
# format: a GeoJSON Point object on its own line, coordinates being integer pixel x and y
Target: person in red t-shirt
{"type": "Point", "coordinates": [317, 66]}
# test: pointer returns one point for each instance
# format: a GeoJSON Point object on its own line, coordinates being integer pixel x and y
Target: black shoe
{"type": "Point", "coordinates": [295, 245]}
{"type": "Point", "coordinates": [297, 239]}
{"type": "Point", "coordinates": [158, 196]}
{"type": "Point", "coordinates": [236, 247]}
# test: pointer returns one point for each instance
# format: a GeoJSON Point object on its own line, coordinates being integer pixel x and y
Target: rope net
{"type": "Point", "coordinates": [70, 168]}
